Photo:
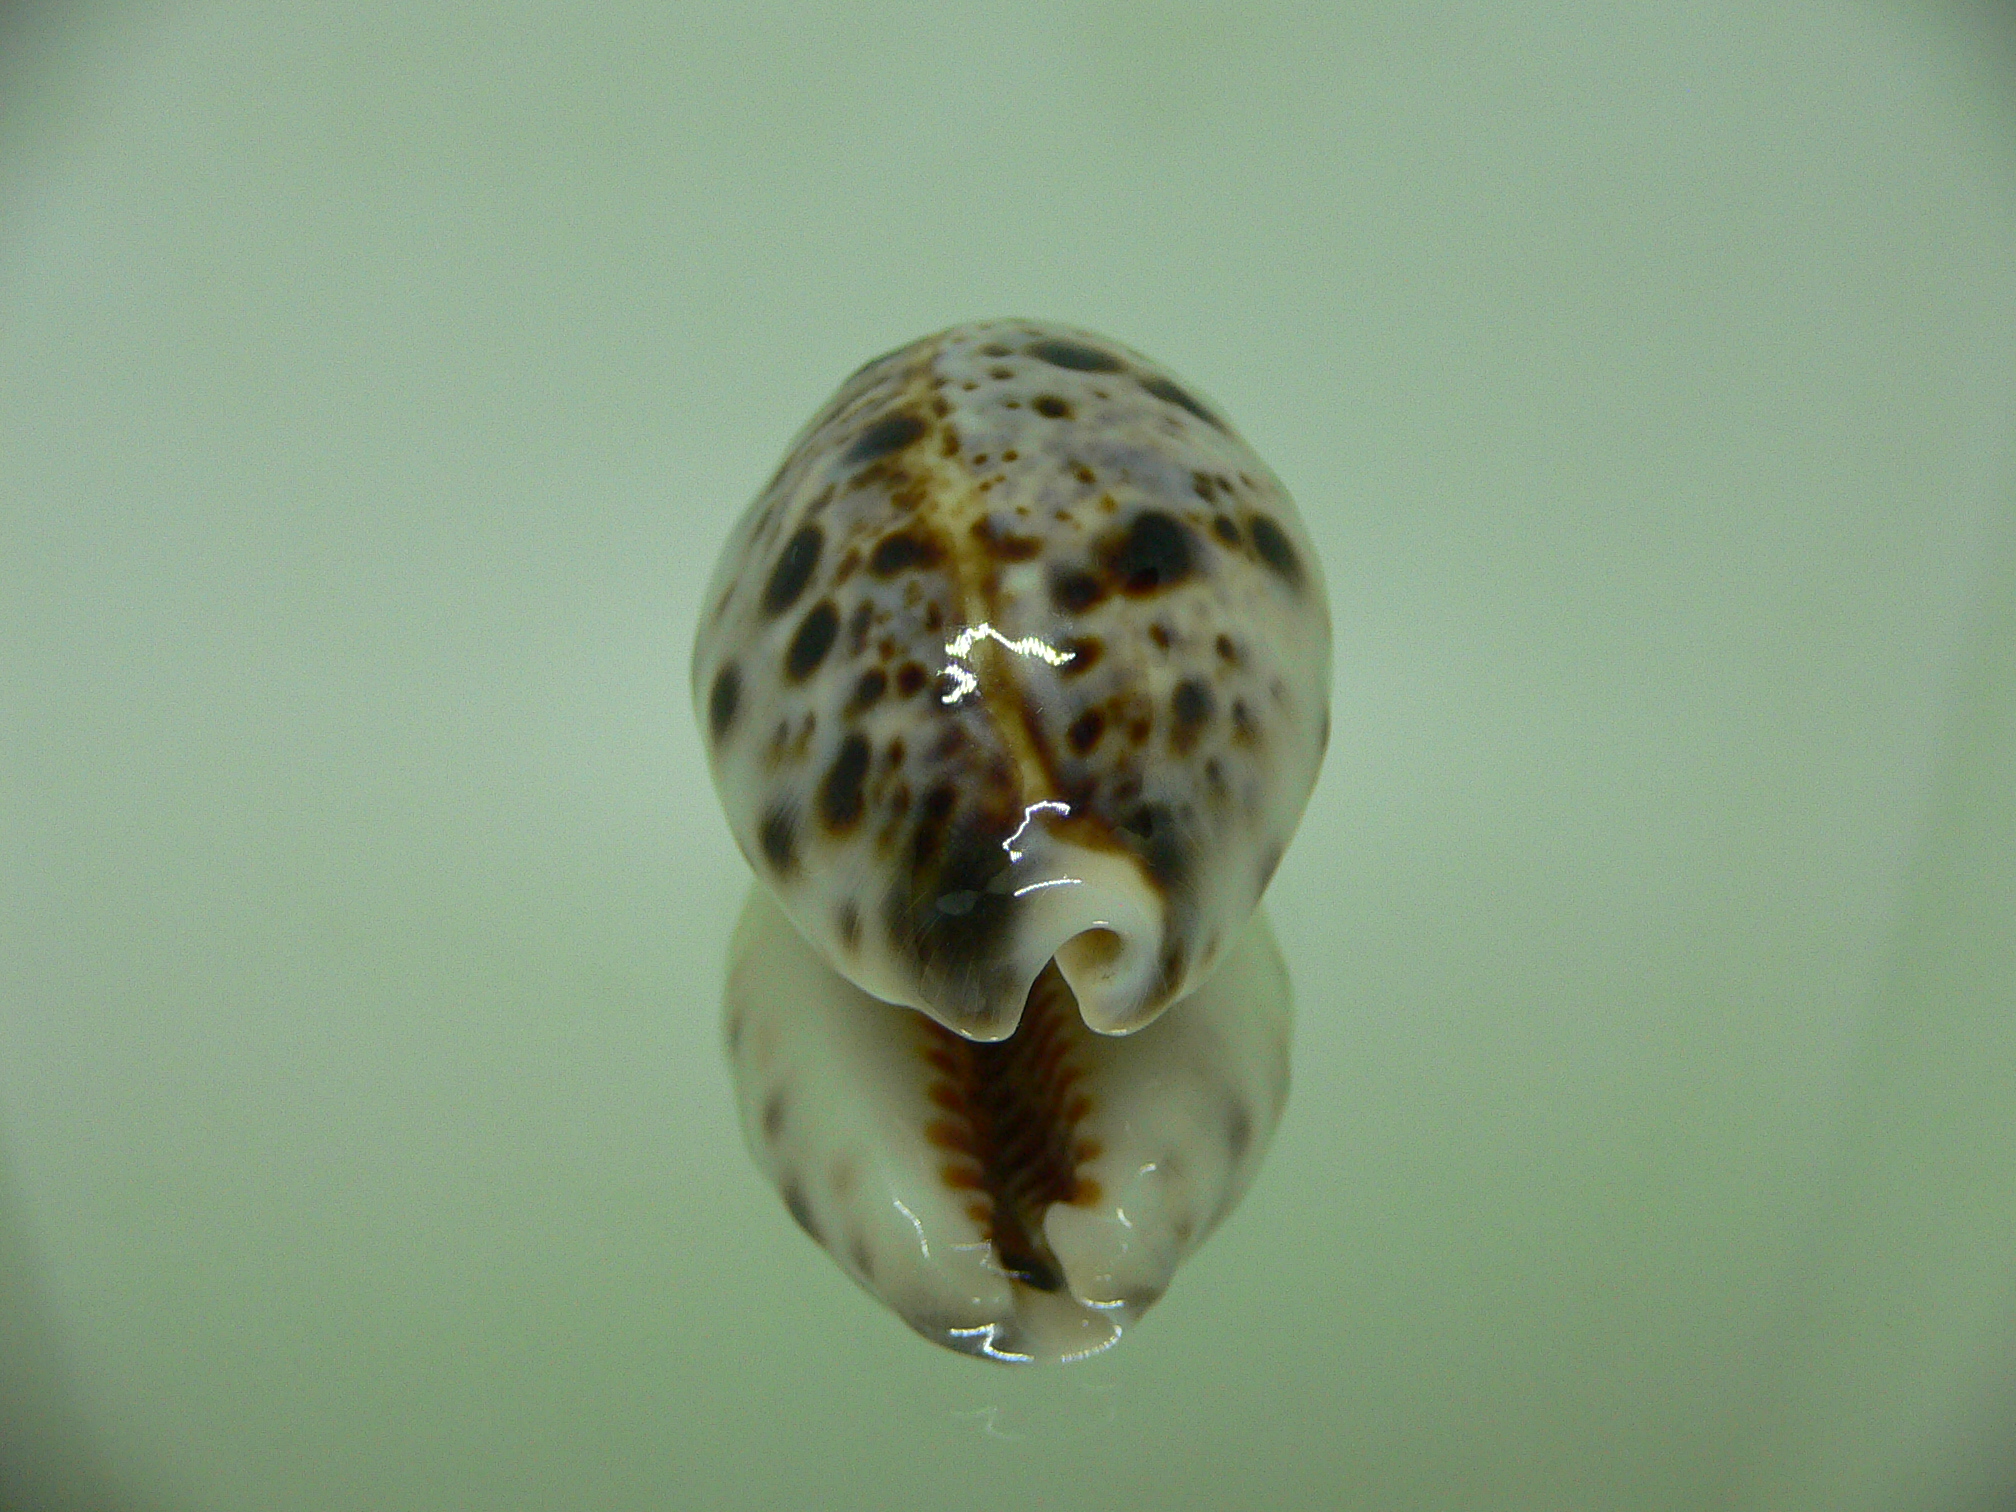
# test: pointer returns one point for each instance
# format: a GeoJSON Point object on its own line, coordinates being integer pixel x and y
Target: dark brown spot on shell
{"type": "Point", "coordinates": [1169, 393]}
{"type": "Point", "coordinates": [994, 349]}
{"type": "Point", "coordinates": [793, 571]}
{"type": "Point", "coordinates": [840, 789]}
{"type": "Point", "coordinates": [868, 690]}
{"type": "Point", "coordinates": [902, 551]}
{"type": "Point", "coordinates": [778, 835]}
{"type": "Point", "coordinates": [1275, 549]}
{"type": "Point", "coordinates": [885, 437]}
{"type": "Point", "coordinates": [1154, 552]}
{"type": "Point", "coordinates": [1227, 652]}
{"type": "Point", "coordinates": [1245, 728]}
{"type": "Point", "coordinates": [812, 641]}
{"type": "Point", "coordinates": [932, 816]}
{"type": "Point", "coordinates": [1085, 652]}
{"type": "Point", "coordinates": [1001, 544]}
{"type": "Point", "coordinates": [1159, 633]}
{"type": "Point", "coordinates": [909, 678]}
{"type": "Point", "coordinates": [1073, 591]}
{"type": "Point", "coordinates": [724, 700]}
{"type": "Point", "coordinates": [847, 920]}
{"type": "Point", "coordinates": [1191, 706]}
{"type": "Point", "coordinates": [1074, 355]}
{"type": "Point", "coordinates": [1226, 529]}
{"type": "Point", "coordinates": [1085, 731]}
{"type": "Point", "coordinates": [1051, 407]}
{"type": "Point", "coordinates": [1157, 839]}
{"type": "Point", "coordinates": [773, 1114]}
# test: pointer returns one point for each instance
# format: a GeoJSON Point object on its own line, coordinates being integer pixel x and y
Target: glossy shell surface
{"type": "Point", "coordinates": [1021, 656]}
{"type": "Point", "coordinates": [1025, 1201]}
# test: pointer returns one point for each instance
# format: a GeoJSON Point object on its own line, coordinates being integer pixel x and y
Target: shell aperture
{"type": "Point", "coordinates": [1014, 683]}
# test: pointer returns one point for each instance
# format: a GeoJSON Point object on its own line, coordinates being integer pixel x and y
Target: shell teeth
{"type": "Point", "coordinates": [893, 1150]}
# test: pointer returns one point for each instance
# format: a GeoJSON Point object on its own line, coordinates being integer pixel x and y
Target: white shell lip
{"type": "Point", "coordinates": [1088, 911]}
{"type": "Point", "coordinates": [1082, 767]}
{"type": "Point", "coordinates": [837, 1100]}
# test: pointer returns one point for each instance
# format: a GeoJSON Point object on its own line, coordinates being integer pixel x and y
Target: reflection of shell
{"type": "Point", "coordinates": [1015, 682]}
{"type": "Point", "coordinates": [1023, 1200]}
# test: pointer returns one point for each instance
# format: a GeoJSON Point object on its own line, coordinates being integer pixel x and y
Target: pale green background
{"type": "Point", "coordinates": [376, 384]}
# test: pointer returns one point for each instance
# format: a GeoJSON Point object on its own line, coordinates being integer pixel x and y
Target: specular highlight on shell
{"type": "Point", "coordinates": [1014, 685]}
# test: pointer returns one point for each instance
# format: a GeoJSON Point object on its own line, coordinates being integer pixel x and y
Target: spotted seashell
{"type": "Point", "coordinates": [1022, 655]}
{"type": "Point", "coordinates": [1015, 682]}
{"type": "Point", "coordinates": [1020, 1200]}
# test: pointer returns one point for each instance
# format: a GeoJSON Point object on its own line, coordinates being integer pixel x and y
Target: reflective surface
{"type": "Point", "coordinates": [379, 388]}
{"type": "Point", "coordinates": [1025, 1201]}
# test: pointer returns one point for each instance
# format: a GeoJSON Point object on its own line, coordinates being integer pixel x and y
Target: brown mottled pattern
{"type": "Point", "coordinates": [1046, 483]}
